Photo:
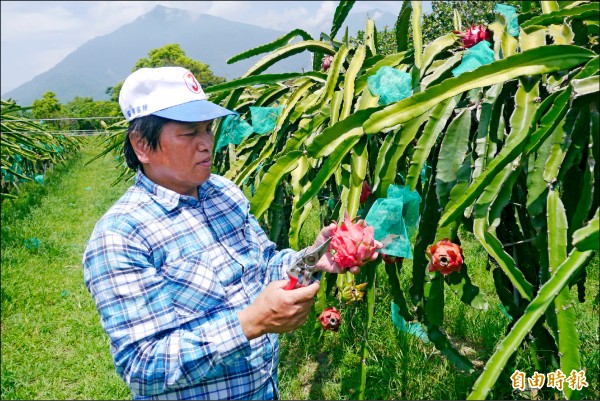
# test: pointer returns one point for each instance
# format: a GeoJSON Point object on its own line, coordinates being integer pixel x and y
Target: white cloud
{"type": "Point", "coordinates": [36, 35]}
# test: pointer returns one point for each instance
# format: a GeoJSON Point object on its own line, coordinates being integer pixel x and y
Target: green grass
{"type": "Point", "coordinates": [53, 346]}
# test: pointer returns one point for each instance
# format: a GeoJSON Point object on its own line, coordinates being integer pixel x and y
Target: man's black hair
{"type": "Point", "coordinates": [149, 128]}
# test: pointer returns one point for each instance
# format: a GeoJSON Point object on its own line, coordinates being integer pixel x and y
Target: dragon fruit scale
{"type": "Point", "coordinates": [353, 244]}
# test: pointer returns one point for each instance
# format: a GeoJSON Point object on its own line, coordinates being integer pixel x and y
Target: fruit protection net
{"type": "Point", "coordinates": [395, 220]}
{"type": "Point", "coordinates": [264, 118]}
{"type": "Point", "coordinates": [233, 130]}
{"type": "Point", "coordinates": [390, 84]}
{"type": "Point", "coordinates": [511, 16]}
{"type": "Point", "coordinates": [475, 57]}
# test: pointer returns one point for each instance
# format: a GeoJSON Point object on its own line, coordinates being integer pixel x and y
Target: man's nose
{"type": "Point", "coordinates": [205, 141]}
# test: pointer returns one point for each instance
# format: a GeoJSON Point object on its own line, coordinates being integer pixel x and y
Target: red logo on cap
{"type": "Point", "coordinates": [191, 82]}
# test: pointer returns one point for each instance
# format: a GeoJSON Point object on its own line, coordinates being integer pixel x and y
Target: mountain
{"type": "Point", "coordinates": [106, 60]}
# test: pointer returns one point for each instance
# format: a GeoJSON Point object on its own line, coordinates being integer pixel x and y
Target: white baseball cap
{"type": "Point", "coordinates": [169, 92]}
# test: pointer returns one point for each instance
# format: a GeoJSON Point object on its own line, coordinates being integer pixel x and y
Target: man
{"type": "Point", "coordinates": [188, 287]}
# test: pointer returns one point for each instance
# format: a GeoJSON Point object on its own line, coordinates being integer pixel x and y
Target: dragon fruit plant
{"type": "Point", "coordinates": [333, 133]}
{"type": "Point", "coordinates": [353, 244]}
{"type": "Point", "coordinates": [446, 257]}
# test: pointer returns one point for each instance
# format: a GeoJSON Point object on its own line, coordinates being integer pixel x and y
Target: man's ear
{"type": "Point", "coordinates": [140, 147]}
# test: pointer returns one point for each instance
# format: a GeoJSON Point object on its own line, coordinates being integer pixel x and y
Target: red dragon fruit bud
{"type": "Point", "coordinates": [445, 256]}
{"type": "Point", "coordinates": [366, 192]}
{"type": "Point", "coordinates": [326, 62]}
{"type": "Point", "coordinates": [330, 319]}
{"type": "Point", "coordinates": [353, 244]}
{"type": "Point", "coordinates": [474, 35]}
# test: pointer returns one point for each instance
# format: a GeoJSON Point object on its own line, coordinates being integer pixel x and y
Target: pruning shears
{"type": "Point", "coordinates": [302, 273]}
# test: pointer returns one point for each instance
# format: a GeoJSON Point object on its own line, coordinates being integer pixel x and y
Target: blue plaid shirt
{"type": "Point", "coordinates": [168, 274]}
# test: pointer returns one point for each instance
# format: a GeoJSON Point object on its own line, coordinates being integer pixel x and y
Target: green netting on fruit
{"type": "Point", "coordinates": [264, 118]}
{"type": "Point", "coordinates": [395, 220]}
{"type": "Point", "coordinates": [390, 84]}
{"type": "Point", "coordinates": [413, 328]}
{"type": "Point", "coordinates": [233, 130]}
{"type": "Point", "coordinates": [511, 16]}
{"type": "Point", "coordinates": [475, 57]}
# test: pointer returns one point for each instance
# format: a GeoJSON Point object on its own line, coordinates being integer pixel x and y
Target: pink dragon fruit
{"type": "Point", "coordinates": [330, 319]}
{"type": "Point", "coordinates": [353, 244]}
{"type": "Point", "coordinates": [474, 35]}
{"type": "Point", "coordinates": [326, 62]}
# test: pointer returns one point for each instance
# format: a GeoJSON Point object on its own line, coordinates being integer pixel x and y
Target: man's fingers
{"type": "Point", "coordinates": [305, 294]}
{"type": "Point", "coordinates": [279, 283]}
{"type": "Point", "coordinates": [329, 230]}
{"type": "Point", "coordinates": [325, 234]}
{"type": "Point", "coordinates": [354, 270]}
{"type": "Point", "coordinates": [327, 263]}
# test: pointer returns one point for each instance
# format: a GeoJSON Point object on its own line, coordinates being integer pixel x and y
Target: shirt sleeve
{"type": "Point", "coordinates": [152, 352]}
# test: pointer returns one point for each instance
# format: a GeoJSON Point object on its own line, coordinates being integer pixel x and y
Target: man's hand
{"type": "Point", "coordinates": [276, 310]}
{"type": "Point", "coordinates": [326, 263]}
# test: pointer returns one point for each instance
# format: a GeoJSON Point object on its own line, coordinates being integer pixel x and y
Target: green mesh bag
{"type": "Point", "coordinates": [395, 220]}
{"type": "Point", "coordinates": [390, 84]}
{"type": "Point", "coordinates": [475, 57]}
{"type": "Point", "coordinates": [512, 18]}
{"type": "Point", "coordinates": [410, 210]}
{"type": "Point", "coordinates": [233, 130]}
{"type": "Point", "coordinates": [413, 328]}
{"type": "Point", "coordinates": [264, 118]}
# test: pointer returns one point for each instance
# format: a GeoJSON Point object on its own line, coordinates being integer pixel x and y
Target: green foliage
{"type": "Point", "coordinates": [172, 55]}
{"type": "Point", "coordinates": [29, 148]}
{"type": "Point", "coordinates": [440, 21]}
{"type": "Point", "coordinates": [82, 107]}
{"type": "Point", "coordinates": [48, 107]}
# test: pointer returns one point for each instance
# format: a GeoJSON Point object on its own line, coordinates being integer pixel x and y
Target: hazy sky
{"type": "Point", "coordinates": [37, 35]}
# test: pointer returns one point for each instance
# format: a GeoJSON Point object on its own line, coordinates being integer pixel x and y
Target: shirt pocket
{"type": "Point", "coordinates": [194, 287]}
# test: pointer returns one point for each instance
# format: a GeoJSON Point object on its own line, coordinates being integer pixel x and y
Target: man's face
{"type": "Point", "coordinates": [183, 158]}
